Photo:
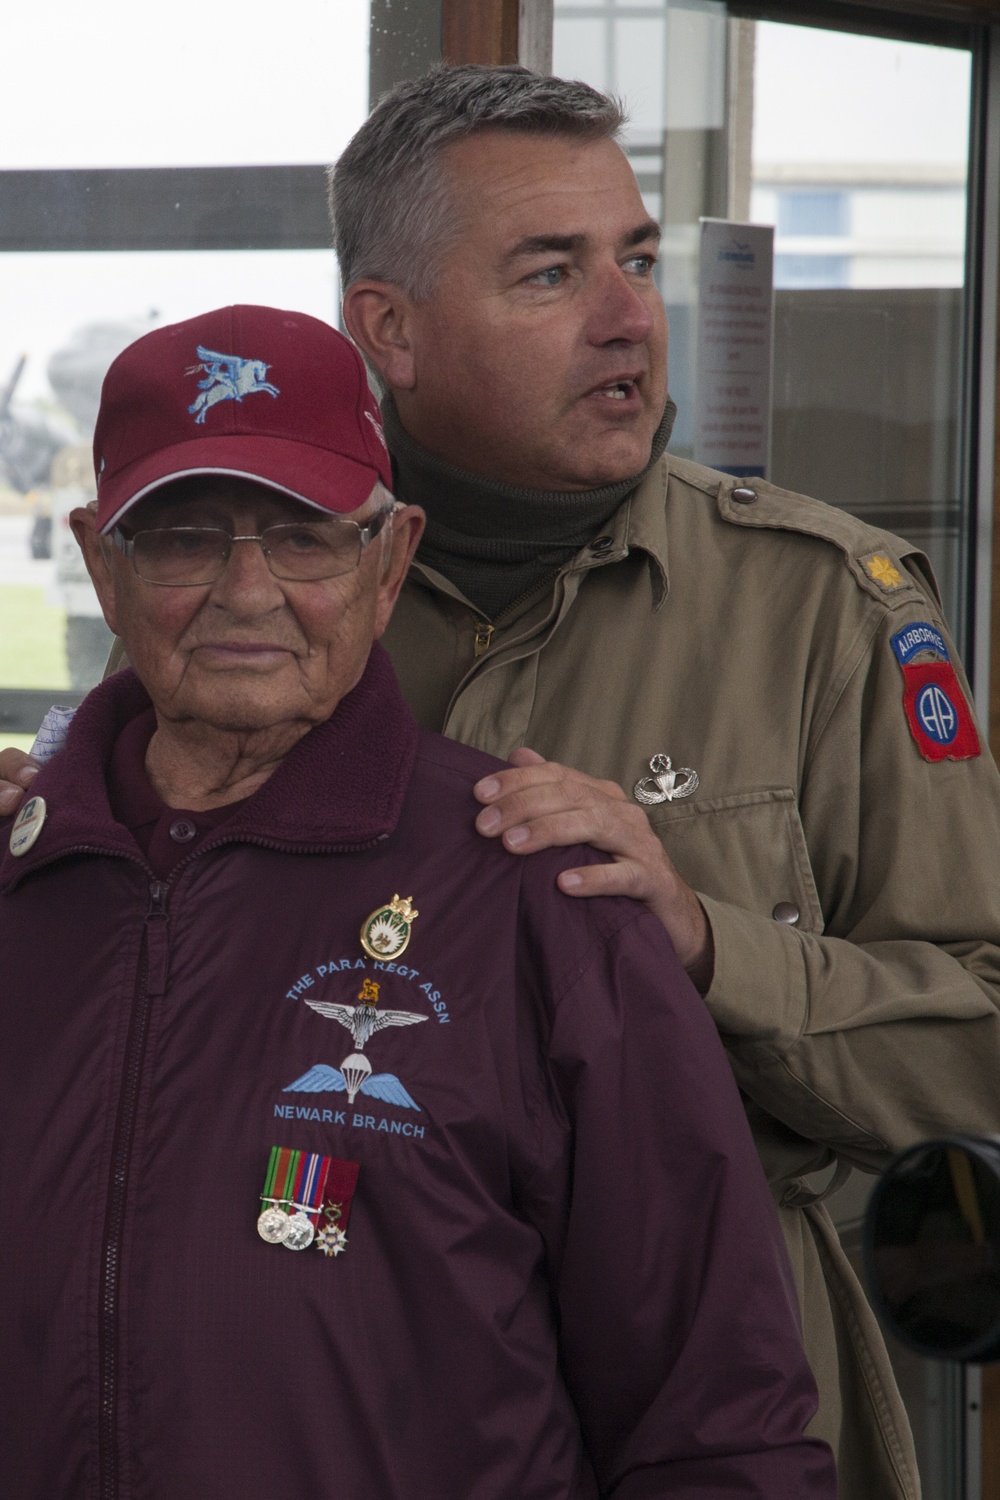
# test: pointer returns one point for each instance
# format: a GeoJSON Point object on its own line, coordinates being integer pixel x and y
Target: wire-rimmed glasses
{"type": "Point", "coordinates": [297, 551]}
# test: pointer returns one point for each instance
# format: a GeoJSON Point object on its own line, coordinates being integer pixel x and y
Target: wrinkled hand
{"type": "Point", "coordinates": [16, 773]}
{"type": "Point", "coordinates": [540, 804]}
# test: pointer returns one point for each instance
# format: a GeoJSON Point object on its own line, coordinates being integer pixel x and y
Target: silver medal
{"type": "Point", "coordinates": [665, 784]}
{"type": "Point", "coordinates": [273, 1225]}
{"type": "Point", "coordinates": [300, 1234]}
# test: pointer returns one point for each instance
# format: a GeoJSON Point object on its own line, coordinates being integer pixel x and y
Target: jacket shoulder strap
{"type": "Point", "coordinates": [883, 565]}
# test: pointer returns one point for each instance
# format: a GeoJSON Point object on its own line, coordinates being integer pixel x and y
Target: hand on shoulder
{"type": "Point", "coordinates": [540, 804]}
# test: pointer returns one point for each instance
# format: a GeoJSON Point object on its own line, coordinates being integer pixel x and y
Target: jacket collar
{"type": "Point", "coordinates": [341, 787]}
{"type": "Point", "coordinates": [639, 522]}
{"type": "Point", "coordinates": [646, 525]}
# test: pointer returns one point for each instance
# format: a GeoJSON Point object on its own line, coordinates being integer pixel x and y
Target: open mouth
{"type": "Point", "coordinates": [616, 390]}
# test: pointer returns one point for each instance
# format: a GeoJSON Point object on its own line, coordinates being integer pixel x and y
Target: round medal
{"type": "Point", "coordinates": [273, 1226]}
{"type": "Point", "coordinates": [300, 1233]}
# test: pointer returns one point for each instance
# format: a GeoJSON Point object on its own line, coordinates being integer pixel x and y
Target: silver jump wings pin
{"type": "Point", "coordinates": [665, 784]}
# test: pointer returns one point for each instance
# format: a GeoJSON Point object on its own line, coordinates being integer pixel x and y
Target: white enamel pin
{"type": "Point", "coordinates": [27, 826]}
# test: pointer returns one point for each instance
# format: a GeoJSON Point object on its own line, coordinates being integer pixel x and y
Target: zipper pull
{"type": "Point", "coordinates": [484, 631]}
{"type": "Point", "coordinates": [158, 892]}
{"type": "Point", "coordinates": [157, 952]}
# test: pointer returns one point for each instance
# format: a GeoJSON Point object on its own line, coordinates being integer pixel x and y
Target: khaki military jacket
{"type": "Point", "coordinates": [752, 643]}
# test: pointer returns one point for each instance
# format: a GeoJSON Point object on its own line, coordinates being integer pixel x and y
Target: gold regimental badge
{"type": "Point", "coordinates": [386, 932]}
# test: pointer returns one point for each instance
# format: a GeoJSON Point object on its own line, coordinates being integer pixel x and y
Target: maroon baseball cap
{"type": "Point", "coordinates": [254, 392]}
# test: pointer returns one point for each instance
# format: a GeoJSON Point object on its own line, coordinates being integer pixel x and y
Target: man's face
{"type": "Point", "coordinates": [541, 356]}
{"type": "Point", "coordinates": [250, 652]}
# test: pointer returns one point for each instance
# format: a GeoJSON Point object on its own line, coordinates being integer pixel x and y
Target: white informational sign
{"type": "Point", "coordinates": [735, 329]}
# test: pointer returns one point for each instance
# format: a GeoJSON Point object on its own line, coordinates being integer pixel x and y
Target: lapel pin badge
{"type": "Point", "coordinates": [27, 826]}
{"type": "Point", "coordinates": [665, 784]}
{"type": "Point", "coordinates": [385, 933]}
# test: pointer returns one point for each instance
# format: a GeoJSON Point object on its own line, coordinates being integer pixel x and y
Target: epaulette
{"type": "Point", "coordinates": [875, 558]}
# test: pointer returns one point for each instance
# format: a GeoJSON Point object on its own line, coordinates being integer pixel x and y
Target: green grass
{"type": "Point", "coordinates": [17, 741]}
{"type": "Point", "coordinates": [32, 640]}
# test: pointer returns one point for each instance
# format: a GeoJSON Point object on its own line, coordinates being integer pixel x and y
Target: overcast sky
{"type": "Point", "coordinates": [830, 96]}
{"type": "Point", "coordinates": [122, 83]}
{"type": "Point", "coordinates": [172, 83]}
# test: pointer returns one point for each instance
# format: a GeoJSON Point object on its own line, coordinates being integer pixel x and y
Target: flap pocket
{"type": "Point", "coordinates": [748, 849]}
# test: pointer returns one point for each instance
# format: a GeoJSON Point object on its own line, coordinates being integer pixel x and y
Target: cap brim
{"type": "Point", "coordinates": [316, 476]}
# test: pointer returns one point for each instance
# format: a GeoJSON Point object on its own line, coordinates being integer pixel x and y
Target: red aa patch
{"type": "Point", "coordinates": [937, 712]}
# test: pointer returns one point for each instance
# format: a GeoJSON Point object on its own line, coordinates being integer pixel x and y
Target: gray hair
{"type": "Point", "coordinates": [392, 213]}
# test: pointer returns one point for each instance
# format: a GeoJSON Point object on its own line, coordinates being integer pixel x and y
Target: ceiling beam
{"type": "Point", "coordinates": [480, 31]}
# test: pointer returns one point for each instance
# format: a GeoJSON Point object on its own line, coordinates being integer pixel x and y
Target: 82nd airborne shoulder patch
{"type": "Point", "coordinates": [935, 705]}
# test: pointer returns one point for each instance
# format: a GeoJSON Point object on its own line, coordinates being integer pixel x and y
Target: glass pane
{"type": "Point", "coordinates": [114, 83]}
{"type": "Point", "coordinates": [582, 48]}
{"type": "Point", "coordinates": [866, 186]}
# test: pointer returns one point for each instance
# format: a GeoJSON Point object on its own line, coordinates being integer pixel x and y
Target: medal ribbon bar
{"type": "Point", "coordinates": [310, 1182]}
{"type": "Point", "coordinates": [296, 1179]}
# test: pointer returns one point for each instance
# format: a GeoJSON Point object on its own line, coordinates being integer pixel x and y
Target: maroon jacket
{"type": "Point", "coordinates": [564, 1277]}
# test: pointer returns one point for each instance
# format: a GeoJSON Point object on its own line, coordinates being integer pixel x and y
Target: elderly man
{"type": "Point", "coordinates": [266, 990]}
{"type": "Point", "coordinates": [745, 664]}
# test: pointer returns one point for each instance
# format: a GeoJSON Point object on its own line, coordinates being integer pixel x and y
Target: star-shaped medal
{"type": "Point", "coordinates": [331, 1240]}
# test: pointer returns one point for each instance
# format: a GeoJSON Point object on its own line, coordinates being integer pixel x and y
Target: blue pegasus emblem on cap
{"type": "Point", "coordinates": [227, 378]}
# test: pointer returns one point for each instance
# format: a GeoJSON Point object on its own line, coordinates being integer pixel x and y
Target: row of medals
{"type": "Point", "coordinates": [296, 1232]}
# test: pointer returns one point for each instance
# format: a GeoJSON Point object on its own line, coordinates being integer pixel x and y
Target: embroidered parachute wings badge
{"type": "Point", "coordinates": [351, 1078]}
{"type": "Point", "coordinates": [355, 1072]}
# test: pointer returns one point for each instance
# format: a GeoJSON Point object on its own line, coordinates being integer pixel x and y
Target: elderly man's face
{"type": "Point", "coordinates": [541, 356]}
{"type": "Point", "coordinates": [250, 652]}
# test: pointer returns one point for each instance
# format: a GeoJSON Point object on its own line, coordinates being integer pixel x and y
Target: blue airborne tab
{"type": "Point", "coordinates": [920, 636]}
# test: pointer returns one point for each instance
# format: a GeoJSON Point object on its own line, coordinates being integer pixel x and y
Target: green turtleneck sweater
{"type": "Point", "coordinates": [497, 542]}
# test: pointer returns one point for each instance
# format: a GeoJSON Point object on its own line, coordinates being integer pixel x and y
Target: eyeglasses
{"type": "Point", "coordinates": [302, 552]}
